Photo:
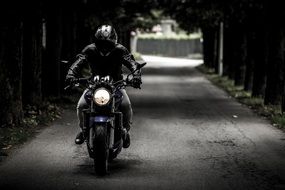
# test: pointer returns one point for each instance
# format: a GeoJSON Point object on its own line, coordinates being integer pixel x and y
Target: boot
{"type": "Point", "coordinates": [126, 140]}
{"type": "Point", "coordinates": [79, 138]}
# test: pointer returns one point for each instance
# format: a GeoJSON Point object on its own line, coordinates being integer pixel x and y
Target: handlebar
{"type": "Point", "coordinates": [124, 82]}
{"type": "Point", "coordinates": [133, 72]}
{"type": "Point", "coordinates": [77, 80]}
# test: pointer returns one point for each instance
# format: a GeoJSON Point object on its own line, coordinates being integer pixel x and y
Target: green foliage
{"type": "Point", "coordinates": [47, 112]}
{"type": "Point", "coordinates": [147, 21]}
{"type": "Point", "coordinates": [279, 121]}
{"type": "Point", "coordinates": [12, 136]}
{"type": "Point", "coordinates": [34, 119]}
{"type": "Point", "coordinates": [193, 14]}
{"type": "Point", "coordinates": [123, 14]}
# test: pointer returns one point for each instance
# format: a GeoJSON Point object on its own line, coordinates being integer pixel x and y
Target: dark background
{"type": "Point", "coordinates": [36, 35]}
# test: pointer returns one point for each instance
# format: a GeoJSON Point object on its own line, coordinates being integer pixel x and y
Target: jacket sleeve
{"type": "Point", "coordinates": [129, 60]}
{"type": "Point", "coordinates": [76, 68]}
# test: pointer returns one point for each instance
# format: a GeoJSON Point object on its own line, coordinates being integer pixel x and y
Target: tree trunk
{"type": "Point", "coordinates": [11, 37]}
{"type": "Point", "coordinates": [69, 29]}
{"type": "Point", "coordinates": [69, 46]}
{"type": "Point", "coordinates": [273, 89]}
{"type": "Point", "coordinates": [275, 67]}
{"type": "Point", "coordinates": [249, 61]}
{"type": "Point", "coordinates": [51, 63]}
{"type": "Point", "coordinates": [239, 55]}
{"type": "Point", "coordinates": [260, 57]}
{"type": "Point", "coordinates": [228, 66]}
{"type": "Point", "coordinates": [124, 37]}
{"type": "Point", "coordinates": [208, 47]}
{"type": "Point", "coordinates": [32, 60]}
{"type": "Point", "coordinates": [216, 51]}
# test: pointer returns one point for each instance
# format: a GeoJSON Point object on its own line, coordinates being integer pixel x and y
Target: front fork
{"type": "Point", "coordinates": [113, 124]}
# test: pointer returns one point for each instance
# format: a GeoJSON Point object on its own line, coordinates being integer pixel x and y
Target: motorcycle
{"type": "Point", "coordinates": [103, 121]}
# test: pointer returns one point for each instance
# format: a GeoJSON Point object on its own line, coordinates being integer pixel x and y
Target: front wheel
{"type": "Point", "coordinates": [101, 150]}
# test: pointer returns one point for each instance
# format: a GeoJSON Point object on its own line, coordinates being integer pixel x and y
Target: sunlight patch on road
{"type": "Point", "coordinates": [158, 62]}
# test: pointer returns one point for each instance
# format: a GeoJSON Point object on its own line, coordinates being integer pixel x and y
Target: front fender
{"type": "Point", "coordinates": [103, 123]}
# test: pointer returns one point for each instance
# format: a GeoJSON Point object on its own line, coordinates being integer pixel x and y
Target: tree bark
{"type": "Point", "coordinates": [11, 37]}
{"type": "Point", "coordinates": [249, 61]}
{"type": "Point", "coordinates": [69, 29]}
{"type": "Point", "coordinates": [208, 47]}
{"type": "Point", "coordinates": [239, 55]}
{"type": "Point", "coordinates": [228, 52]}
{"type": "Point", "coordinates": [260, 57]}
{"type": "Point", "coordinates": [275, 67]}
{"type": "Point", "coordinates": [69, 46]}
{"type": "Point", "coordinates": [216, 51]}
{"type": "Point", "coordinates": [51, 63]}
{"type": "Point", "coordinates": [273, 91]}
{"type": "Point", "coordinates": [124, 37]}
{"type": "Point", "coordinates": [32, 60]}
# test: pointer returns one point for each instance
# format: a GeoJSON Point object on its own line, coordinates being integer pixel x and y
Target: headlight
{"type": "Point", "coordinates": [101, 96]}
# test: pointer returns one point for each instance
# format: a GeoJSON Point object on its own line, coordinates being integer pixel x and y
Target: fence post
{"type": "Point", "coordinates": [221, 49]}
{"type": "Point", "coordinates": [134, 39]}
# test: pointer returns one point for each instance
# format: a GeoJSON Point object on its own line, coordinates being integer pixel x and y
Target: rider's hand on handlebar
{"type": "Point", "coordinates": [137, 72]}
{"type": "Point", "coordinates": [70, 80]}
{"type": "Point", "coordinates": [136, 81]}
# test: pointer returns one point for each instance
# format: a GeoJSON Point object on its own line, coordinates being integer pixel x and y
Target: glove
{"type": "Point", "coordinates": [69, 79]}
{"type": "Point", "coordinates": [136, 82]}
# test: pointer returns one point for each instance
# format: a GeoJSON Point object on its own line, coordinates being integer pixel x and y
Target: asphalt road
{"type": "Point", "coordinates": [187, 134]}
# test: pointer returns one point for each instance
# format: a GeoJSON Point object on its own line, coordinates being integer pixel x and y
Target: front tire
{"type": "Point", "coordinates": [101, 150]}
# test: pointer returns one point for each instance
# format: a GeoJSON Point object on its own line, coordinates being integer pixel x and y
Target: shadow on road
{"type": "Point", "coordinates": [117, 166]}
{"type": "Point", "coordinates": [183, 92]}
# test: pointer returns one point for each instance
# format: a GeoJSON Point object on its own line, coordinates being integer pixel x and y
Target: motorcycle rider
{"type": "Point", "coordinates": [105, 57]}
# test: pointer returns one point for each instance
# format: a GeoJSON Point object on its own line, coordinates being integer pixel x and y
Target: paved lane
{"type": "Point", "coordinates": [184, 137]}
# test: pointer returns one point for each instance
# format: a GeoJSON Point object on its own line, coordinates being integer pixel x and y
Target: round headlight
{"type": "Point", "coordinates": [101, 96]}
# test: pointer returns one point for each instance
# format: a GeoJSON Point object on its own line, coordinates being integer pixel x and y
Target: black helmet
{"type": "Point", "coordinates": [106, 32]}
{"type": "Point", "coordinates": [106, 38]}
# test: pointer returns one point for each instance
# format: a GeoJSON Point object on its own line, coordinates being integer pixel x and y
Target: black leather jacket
{"type": "Point", "coordinates": [110, 64]}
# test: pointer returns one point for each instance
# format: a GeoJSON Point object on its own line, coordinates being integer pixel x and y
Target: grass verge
{"type": "Point", "coordinates": [273, 113]}
{"type": "Point", "coordinates": [35, 119]}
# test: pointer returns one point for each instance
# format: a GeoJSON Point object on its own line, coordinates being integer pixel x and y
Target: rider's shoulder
{"type": "Point", "coordinates": [122, 48]}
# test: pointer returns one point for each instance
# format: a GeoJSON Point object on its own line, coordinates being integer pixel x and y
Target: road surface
{"type": "Point", "coordinates": [187, 134]}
